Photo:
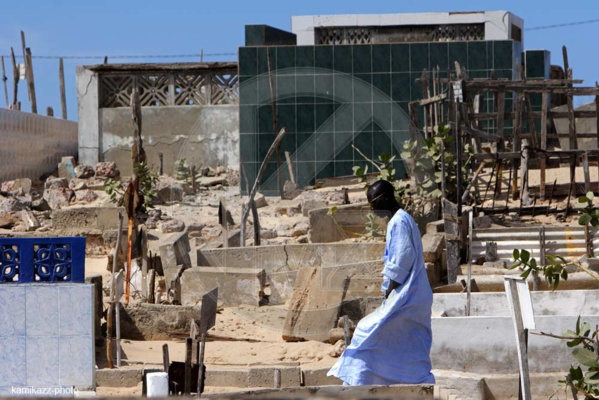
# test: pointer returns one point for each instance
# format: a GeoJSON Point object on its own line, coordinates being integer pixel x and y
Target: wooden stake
{"type": "Point", "coordinates": [165, 357]}
{"type": "Point", "coordinates": [118, 334]}
{"type": "Point", "coordinates": [15, 78]}
{"type": "Point", "coordinates": [587, 174]}
{"type": "Point", "coordinates": [246, 209]}
{"type": "Point", "coordinates": [110, 314]}
{"type": "Point", "coordinates": [144, 263]}
{"type": "Point", "coordinates": [201, 364]}
{"type": "Point", "coordinates": [543, 161]}
{"type": "Point", "coordinates": [256, 223]}
{"type": "Point", "coordinates": [290, 167]}
{"type": "Point", "coordinates": [63, 96]}
{"type": "Point", "coordinates": [4, 79]}
{"type": "Point", "coordinates": [570, 101]}
{"type": "Point", "coordinates": [188, 352]}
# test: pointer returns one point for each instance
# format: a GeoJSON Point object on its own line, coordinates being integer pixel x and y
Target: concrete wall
{"type": "Point", "coordinates": [32, 145]}
{"type": "Point", "coordinates": [203, 135]}
{"type": "Point", "coordinates": [46, 337]}
{"type": "Point", "coordinates": [498, 24]}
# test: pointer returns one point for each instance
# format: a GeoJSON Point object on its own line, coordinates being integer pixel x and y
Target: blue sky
{"type": "Point", "coordinates": [152, 27]}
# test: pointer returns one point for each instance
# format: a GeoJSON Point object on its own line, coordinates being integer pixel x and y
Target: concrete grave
{"type": "Point", "coordinates": [156, 321]}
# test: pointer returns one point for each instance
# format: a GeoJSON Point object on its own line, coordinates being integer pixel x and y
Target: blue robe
{"type": "Point", "coordinates": [392, 344]}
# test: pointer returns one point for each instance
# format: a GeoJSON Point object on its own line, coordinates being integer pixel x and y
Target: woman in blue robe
{"type": "Point", "coordinates": [392, 344]}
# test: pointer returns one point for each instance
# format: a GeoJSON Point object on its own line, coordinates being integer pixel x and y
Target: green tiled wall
{"type": "Point", "coordinates": [328, 97]}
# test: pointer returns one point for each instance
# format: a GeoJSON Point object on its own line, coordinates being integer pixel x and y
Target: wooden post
{"type": "Point", "coordinates": [452, 239]}
{"type": "Point", "coordinates": [587, 174]}
{"type": "Point", "coordinates": [144, 263]}
{"type": "Point", "coordinates": [222, 213]}
{"type": "Point", "coordinates": [256, 223]}
{"type": "Point", "coordinates": [201, 368]}
{"type": "Point", "coordinates": [160, 164]}
{"type": "Point", "coordinates": [346, 330]}
{"type": "Point", "coordinates": [151, 294]}
{"type": "Point", "coordinates": [501, 143]}
{"type": "Point", "coordinates": [524, 195]}
{"type": "Point", "coordinates": [63, 96]}
{"type": "Point", "coordinates": [543, 160]}
{"type": "Point", "coordinates": [165, 357]}
{"type": "Point", "coordinates": [4, 79]}
{"type": "Point", "coordinates": [118, 333]}
{"type": "Point", "coordinates": [110, 314]}
{"type": "Point", "coordinates": [15, 78]}
{"type": "Point", "coordinates": [290, 167]}
{"type": "Point", "coordinates": [188, 352]}
{"type": "Point", "coordinates": [469, 284]}
{"type": "Point", "coordinates": [570, 101]}
{"type": "Point", "coordinates": [252, 193]}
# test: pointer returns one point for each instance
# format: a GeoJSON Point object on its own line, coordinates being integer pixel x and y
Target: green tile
{"type": "Point", "coordinates": [247, 119]}
{"type": "Point", "coordinates": [439, 56]}
{"type": "Point", "coordinates": [401, 86]}
{"type": "Point", "coordinates": [327, 171]}
{"type": "Point", "coordinates": [254, 35]}
{"type": "Point", "coordinates": [324, 115]}
{"type": "Point", "coordinates": [248, 147]}
{"type": "Point", "coordinates": [400, 57]}
{"type": "Point", "coordinates": [362, 88]}
{"type": "Point", "coordinates": [306, 173]}
{"type": "Point", "coordinates": [342, 59]}
{"type": "Point", "coordinates": [264, 91]}
{"type": "Point", "coordinates": [344, 118]}
{"type": "Point", "coordinates": [265, 119]}
{"type": "Point", "coordinates": [343, 88]}
{"type": "Point", "coordinates": [419, 57]}
{"type": "Point", "coordinates": [264, 53]}
{"type": "Point", "coordinates": [363, 141]}
{"type": "Point", "coordinates": [382, 115]}
{"type": "Point", "coordinates": [381, 87]}
{"type": "Point", "coordinates": [398, 138]}
{"type": "Point", "coordinates": [400, 169]}
{"type": "Point", "coordinates": [285, 87]}
{"type": "Point", "coordinates": [269, 184]}
{"type": "Point", "coordinates": [416, 86]}
{"type": "Point", "coordinates": [381, 143]}
{"type": "Point", "coordinates": [324, 146]}
{"type": "Point", "coordinates": [264, 143]}
{"type": "Point", "coordinates": [248, 90]}
{"type": "Point", "coordinates": [346, 153]}
{"type": "Point", "coordinates": [400, 119]}
{"type": "Point", "coordinates": [286, 117]}
{"type": "Point", "coordinates": [288, 143]}
{"type": "Point", "coordinates": [502, 54]}
{"type": "Point", "coordinates": [477, 56]}
{"type": "Point", "coordinates": [362, 59]}
{"type": "Point", "coordinates": [458, 51]}
{"type": "Point", "coordinates": [304, 86]}
{"type": "Point", "coordinates": [285, 60]}
{"type": "Point", "coordinates": [304, 57]}
{"type": "Point", "coordinates": [344, 168]}
{"type": "Point", "coordinates": [248, 61]}
{"type": "Point", "coordinates": [362, 117]}
{"type": "Point", "coordinates": [306, 146]}
{"type": "Point", "coordinates": [323, 85]}
{"type": "Point", "coordinates": [323, 57]}
{"type": "Point", "coordinates": [381, 58]}
{"type": "Point", "coordinates": [305, 118]}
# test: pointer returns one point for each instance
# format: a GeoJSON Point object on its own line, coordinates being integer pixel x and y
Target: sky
{"type": "Point", "coordinates": [94, 28]}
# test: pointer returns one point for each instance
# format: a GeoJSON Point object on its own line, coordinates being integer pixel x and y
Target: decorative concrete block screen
{"type": "Point", "coordinates": [33, 145]}
{"type": "Point", "coordinates": [27, 260]}
{"type": "Point", "coordinates": [46, 339]}
{"type": "Point", "coordinates": [330, 97]}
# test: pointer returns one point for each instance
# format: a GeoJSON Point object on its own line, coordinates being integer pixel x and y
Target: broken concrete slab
{"type": "Point", "coordinates": [145, 321]}
{"type": "Point", "coordinates": [129, 376]}
{"type": "Point", "coordinates": [174, 250]}
{"type": "Point", "coordinates": [237, 285]}
{"type": "Point", "coordinates": [500, 264]}
{"type": "Point", "coordinates": [290, 190]}
{"type": "Point", "coordinates": [432, 246]}
{"type": "Point", "coordinates": [92, 220]}
{"type": "Point", "coordinates": [333, 225]}
{"type": "Point", "coordinates": [17, 186]}
{"type": "Point", "coordinates": [66, 168]}
{"type": "Point", "coordinates": [260, 200]}
{"type": "Point", "coordinates": [107, 170]}
{"type": "Point", "coordinates": [212, 181]}
{"type": "Point", "coordinates": [435, 227]}
{"type": "Point", "coordinates": [56, 183]}
{"type": "Point", "coordinates": [171, 226]}
{"type": "Point", "coordinates": [289, 207]}
{"type": "Point", "coordinates": [84, 171]}
{"type": "Point", "coordinates": [30, 221]}
{"type": "Point", "coordinates": [314, 305]}
{"type": "Point", "coordinates": [58, 198]}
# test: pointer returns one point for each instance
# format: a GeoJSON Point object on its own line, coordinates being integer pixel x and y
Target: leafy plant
{"type": "Point", "coordinates": [553, 270]}
{"type": "Point", "coordinates": [434, 159]}
{"type": "Point", "coordinates": [373, 230]}
{"type": "Point", "coordinates": [147, 180]}
{"type": "Point", "coordinates": [588, 213]}
{"type": "Point", "coordinates": [188, 173]}
{"type": "Point", "coordinates": [384, 166]}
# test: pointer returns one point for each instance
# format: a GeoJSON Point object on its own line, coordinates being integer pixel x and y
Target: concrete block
{"type": "Point", "coordinates": [483, 222]}
{"type": "Point", "coordinates": [260, 200]}
{"type": "Point", "coordinates": [93, 220]}
{"type": "Point", "coordinates": [226, 377]}
{"type": "Point", "coordinates": [435, 227]}
{"type": "Point", "coordinates": [432, 246]}
{"type": "Point", "coordinates": [123, 377]}
{"type": "Point", "coordinates": [235, 285]}
{"type": "Point", "coordinates": [174, 250]}
{"type": "Point", "coordinates": [98, 309]}
{"type": "Point", "coordinates": [318, 377]}
{"type": "Point", "coordinates": [156, 321]}
{"type": "Point", "coordinates": [66, 168]}
{"type": "Point", "coordinates": [347, 221]}
{"type": "Point", "coordinates": [265, 376]}
{"type": "Point", "coordinates": [500, 264]}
